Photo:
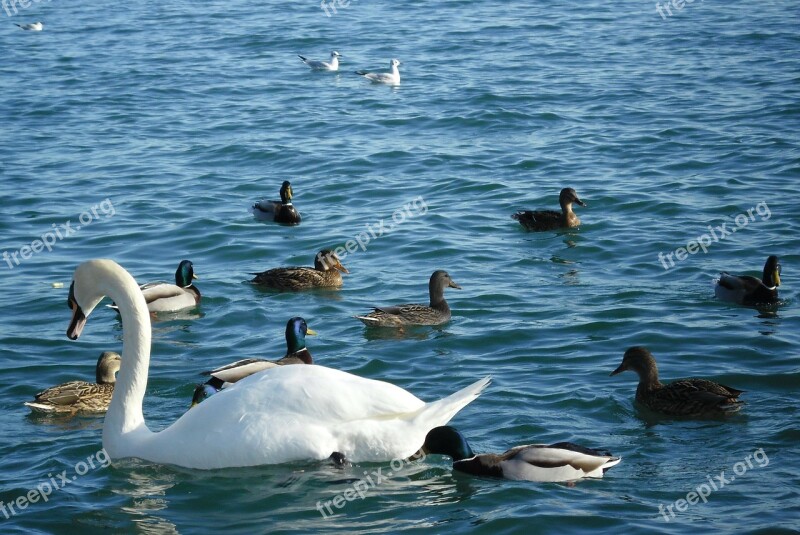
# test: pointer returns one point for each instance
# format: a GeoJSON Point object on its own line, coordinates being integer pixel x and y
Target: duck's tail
{"type": "Point", "coordinates": [442, 411]}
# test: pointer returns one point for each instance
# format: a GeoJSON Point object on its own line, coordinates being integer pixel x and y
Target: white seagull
{"type": "Point", "coordinates": [34, 27]}
{"type": "Point", "coordinates": [332, 65]}
{"type": "Point", "coordinates": [392, 78]}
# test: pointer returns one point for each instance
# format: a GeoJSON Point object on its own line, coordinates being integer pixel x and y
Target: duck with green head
{"type": "Point", "coordinates": [326, 273]}
{"type": "Point", "coordinates": [436, 313]}
{"type": "Point", "coordinates": [82, 396]}
{"type": "Point", "coordinates": [684, 397]}
{"type": "Point", "coordinates": [558, 462]}
{"type": "Point", "coordinates": [165, 297]}
{"type": "Point", "coordinates": [747, 290]}
{"type": "Point", "coordinates": [539, 220]}
{"type": "Point", "coordinates": [296, 353]}
{"type": "Point", "coordinates": [282, 211]}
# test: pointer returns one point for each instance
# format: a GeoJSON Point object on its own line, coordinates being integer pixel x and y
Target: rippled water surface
{"type": "Point", "coordinates": [171, 118]}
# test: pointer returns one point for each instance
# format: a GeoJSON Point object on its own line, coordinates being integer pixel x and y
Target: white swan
{"type": "Point", "coordinates": [279, 415]}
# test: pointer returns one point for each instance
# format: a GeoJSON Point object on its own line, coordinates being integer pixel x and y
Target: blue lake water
{"type": "Point", "coordinates": [154, 126]}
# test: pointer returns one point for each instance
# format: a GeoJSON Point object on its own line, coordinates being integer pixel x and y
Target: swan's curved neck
{"type": "Point", "coordinates": [125, 411]}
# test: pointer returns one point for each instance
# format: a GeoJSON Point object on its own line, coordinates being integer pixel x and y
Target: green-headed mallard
{"type": "Point", "coordinates": [562, 461]}
{"type": "Point", "coordinates": [747, 290]}
{"type": "Point", "coordinates": [326, 273]}
{"type": "Point", "coordinates": [166, 297]}
{"type": "Point", "coordinates": [684, 397]}
{"type": "Point", "coordinates": [282, 415]}
{"type": "Point", "coordinates": [82, 396]}
{"type": "Point", "coordinates": [296, 353]}
{"type": "Point", "coordinates": [550, 219]}
{"type": "Point", "coordinates": [332, 65]}
{"type": "Point", "coordinates": [436, 313]}
{"type": "Point", "coordinates": [282, 211]}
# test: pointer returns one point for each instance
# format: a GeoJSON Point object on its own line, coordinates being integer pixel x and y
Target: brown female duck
{"type": "Point", "coordinates": [539, 220]}
{"type": "Point", "coordinates": [684, 397]}
{"type": "Point", "coordinates": [326, 273]}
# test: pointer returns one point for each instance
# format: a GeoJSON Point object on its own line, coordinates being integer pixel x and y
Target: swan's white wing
{"type": "Point", "coordinates": [290, 413]}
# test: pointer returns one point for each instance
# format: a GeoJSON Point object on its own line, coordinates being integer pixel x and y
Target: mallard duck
{"type": "Point", "coordinates": [166, 297]}
{"type": "Point", "coordinates": [562, 461]}
{"type": "Point", "coordinates": [283, 414]}
{"type": "Point", "coordinates": [332, 65]}
{"type": "Point", "coordinates": [550, 219]}
{"type": "Point", "coordinates": [436, 313]}
{"type": "Point", "coordinates": [684, 397]}
{"type": "Point", "coordinates": [296, 353]}
{"type": "Point", "coordinates": [82, 396]}
{"type": "Point", "coordinates": [282, 211]}
{"type": "Point", "coordinates": [326, 273]}
{"type": "Point", "coordinates": [747, 290]}
{"type": "Point", "coordinates": [390, 78]}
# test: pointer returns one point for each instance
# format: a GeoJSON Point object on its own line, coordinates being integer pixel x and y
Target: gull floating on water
{"type": "Point", "coordinates": [332, 65]}
{"type": "Point", "coordinates": [34, 27]}
{"type": "Point", "coordinates": [392, 78]}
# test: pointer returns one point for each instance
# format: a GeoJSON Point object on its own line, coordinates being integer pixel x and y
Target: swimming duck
{"type": "Point", "coordinates": [562, 461]}
{"type": "Point", "coordinates": [747, 290]}
{"type": "Point", "coordinates": [326, 273]}
{"type": "Point", "coordinates": [332, 65]}
{"type": "Point", "coordinates": [684, 397]}
{"type": "Point", "coordinates": [284, 414]}
{"type": "Point", "coordinates": [282, 211]}
{"type": "Point", "coordinates": [165, 297]}
{"type": "Point", "coordinates": [296, 353]}
{"type": "Point", "coordinates": [436, 313]}
{"type": "Point", "coordinates": [82, 396]}
{"type": "Point", "coordinates": [550, 219]}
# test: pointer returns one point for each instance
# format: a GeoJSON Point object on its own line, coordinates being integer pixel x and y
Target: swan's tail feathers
{"type": "Point", "coordinates": [301, 57]}
{"type": "Point", "coordinates": [442, 411]}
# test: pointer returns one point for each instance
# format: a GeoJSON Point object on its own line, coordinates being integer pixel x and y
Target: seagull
{"type": "Point", "coordinates": [392, 78]}
{"type": "Point", "coordinates": [332, 65]}
{"type": "Point", "coordinates": [35, 27]}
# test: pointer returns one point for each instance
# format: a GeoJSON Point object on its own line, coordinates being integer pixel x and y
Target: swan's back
{"type": "Point", "coordinates": [291, 413]}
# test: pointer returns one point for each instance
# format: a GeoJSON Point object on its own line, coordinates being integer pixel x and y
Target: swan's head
{"type": "Point", "coordinates": [286, 192]}
{"type": "Point", "coordinates": [91, 282]}
{"type": "Point", "coordinates": [185, 274]}
{"type": "Point", "coordinates": [83, 297]}
{"type": "Point", "coordinates": [335, 54]}
{"type": "Point", "coordinates": [447, 440]}
{"type": "Point", "coordinates": [395, 63]}
{"type": "Point", "coordinates": [296, 331]}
